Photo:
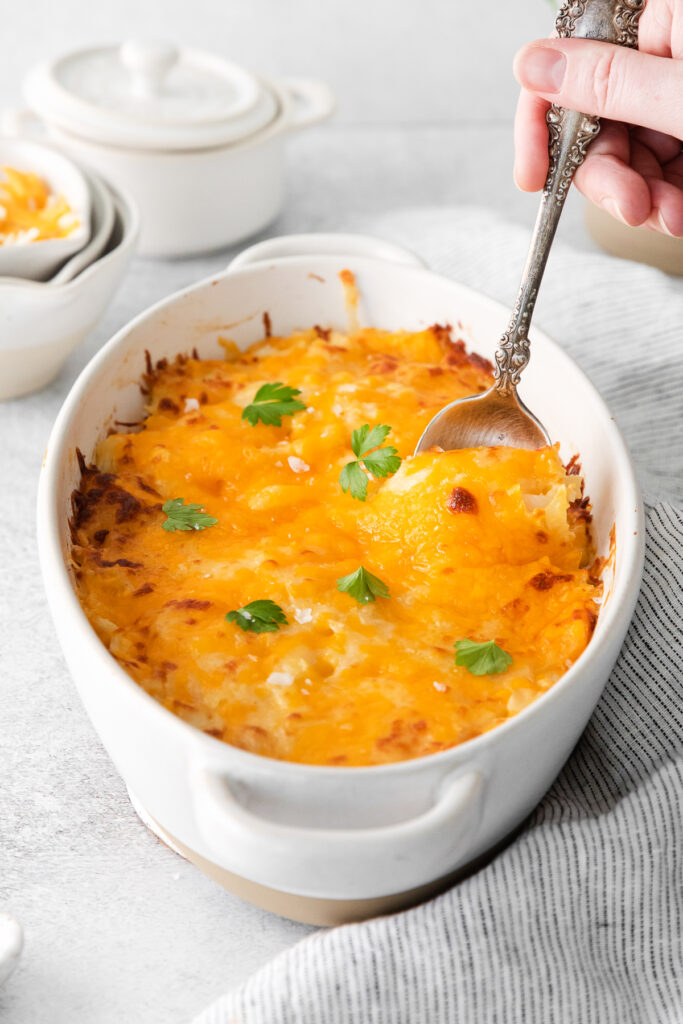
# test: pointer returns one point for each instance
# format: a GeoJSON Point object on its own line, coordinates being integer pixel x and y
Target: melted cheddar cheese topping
{"type": "Point", "coordinates": [485, 544]}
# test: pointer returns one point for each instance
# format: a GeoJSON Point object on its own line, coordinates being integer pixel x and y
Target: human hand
{"type": "Point", "coordinates": [634, 168]}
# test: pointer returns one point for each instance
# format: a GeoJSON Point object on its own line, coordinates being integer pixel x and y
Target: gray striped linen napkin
{"type": "Point", "coordinates": [580, 919]}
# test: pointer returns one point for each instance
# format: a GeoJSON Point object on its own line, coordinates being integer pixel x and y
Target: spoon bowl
{"type": "Point", "coordinates": [485, 420]}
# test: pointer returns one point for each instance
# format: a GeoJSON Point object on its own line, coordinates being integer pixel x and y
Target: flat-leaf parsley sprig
{"type": "Point", "coordinates": [362, 586]}
{"type": "Point", "coordinates": [271, 402]}
{"type": "Point", "coordinates": [259, 617]}
{"type": "Point", "coordinates": [381, 462]}
{"type": "Point", "coordinates": [185, 517]}
{"type": "Point", "coordinates": [482, 659]}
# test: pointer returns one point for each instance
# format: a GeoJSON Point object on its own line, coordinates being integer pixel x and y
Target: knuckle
{"type": "Point", "coordinates": [606, 81]}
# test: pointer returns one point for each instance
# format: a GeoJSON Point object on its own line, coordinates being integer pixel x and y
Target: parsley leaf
{"type": "Point", "coordinates": [272, 402]}
{"type": "Point", "coordinates": [380, 462]}
{"type": "Point", "coordinates": [352, 478]}
{"type": "Point", "coordinates": [185, 517]}
{"type": "Point", "coordinates": [364, 439]}
{"type": "Point", "coordinates": [363, 586]}
{"type": "Point", "coordinates": [485, 659]}
{"type": "Point", "coordinates": [259, 617]}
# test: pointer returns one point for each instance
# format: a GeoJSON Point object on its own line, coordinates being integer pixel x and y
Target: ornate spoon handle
{"type": "Point", "coordinates": [570, 134]}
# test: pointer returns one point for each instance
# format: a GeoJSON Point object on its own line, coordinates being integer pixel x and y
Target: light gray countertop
{"type": "Point", "coordinates": [118, 928]}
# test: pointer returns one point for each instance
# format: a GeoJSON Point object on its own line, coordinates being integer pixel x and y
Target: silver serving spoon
{"type": "Point", "coordinates": [498, 416]}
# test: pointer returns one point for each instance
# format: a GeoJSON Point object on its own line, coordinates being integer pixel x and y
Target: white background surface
{"type": "Point", "coordinates": [118, 929]}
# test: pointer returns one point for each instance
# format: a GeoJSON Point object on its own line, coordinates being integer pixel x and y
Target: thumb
{"type": "Point", "coordinates": [607, 80]}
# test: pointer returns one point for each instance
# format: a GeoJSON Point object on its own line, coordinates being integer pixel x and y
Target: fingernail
{"type": "Point", "coordinates": [612, 207]}
{"type": "Point", "coordinates": [664, 226]}
{"type": "Point", "coordinates": [541, 68]}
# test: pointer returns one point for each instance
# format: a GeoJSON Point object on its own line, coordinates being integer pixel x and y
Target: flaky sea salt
{"type": "Point", "coordinates": [191, 405]}
{"type": "Point", "coordinates": [297, 465]}
{"type": "Point", "coordinates": [441, 687]}
{"type": "Point", "coordinates": [280, 679]}
{"type": "Point", "coordinates": [303, 615]}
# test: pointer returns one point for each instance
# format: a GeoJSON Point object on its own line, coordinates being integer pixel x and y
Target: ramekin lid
{"type": "Point", "coordinates": [147, 94]}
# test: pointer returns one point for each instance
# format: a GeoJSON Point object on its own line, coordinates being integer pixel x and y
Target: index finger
{"type": "Point", "coordinates": [531, 142]}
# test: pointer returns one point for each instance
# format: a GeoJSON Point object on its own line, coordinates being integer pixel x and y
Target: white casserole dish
{"type": "Point", "coordinates": [340, 834]}
{"type": "Point", "coordinates": [197, 141]}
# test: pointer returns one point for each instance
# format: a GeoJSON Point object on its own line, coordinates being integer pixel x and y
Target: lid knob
{"type": "Point", "coordinates": [148, 62]}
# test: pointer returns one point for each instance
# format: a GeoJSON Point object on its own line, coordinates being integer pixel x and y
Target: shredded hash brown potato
{"type": "Point", "coordinates": [481, 544]}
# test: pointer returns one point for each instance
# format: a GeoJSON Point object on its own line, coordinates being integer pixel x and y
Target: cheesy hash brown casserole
{"type": "Point", "coordinates": [266, 558]}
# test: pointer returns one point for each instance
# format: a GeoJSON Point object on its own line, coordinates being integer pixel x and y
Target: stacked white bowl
{"type": "Point", "coordinates": [53, 291]}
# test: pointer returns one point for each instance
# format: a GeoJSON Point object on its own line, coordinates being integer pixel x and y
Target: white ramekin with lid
{"type": "Point", "coordinates": [196, 140]}
{"type": "Point", "coordinates": [327, 843]}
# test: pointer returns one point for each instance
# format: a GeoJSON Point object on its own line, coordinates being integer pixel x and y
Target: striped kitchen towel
{"type": "Point", "coordinates": [580, 919]}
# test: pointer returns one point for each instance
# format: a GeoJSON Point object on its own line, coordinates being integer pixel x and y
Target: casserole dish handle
{"type": "Point", "coordinates": [353, 863]}
{"type": "Point", "coordinates": [321, 244]}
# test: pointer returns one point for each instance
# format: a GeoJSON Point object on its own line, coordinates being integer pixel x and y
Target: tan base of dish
{"type": "Point", "coordinates": [640, 244]}
{"type": "Point", "coordinates": [308, 909]}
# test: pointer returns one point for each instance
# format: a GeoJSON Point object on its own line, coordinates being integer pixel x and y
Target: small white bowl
{"type": "Point", "coordinates": [102, 223]}
{"type": "Point", "coordinates": [42, 323]}
{"type": "Point", "coordinates": [102, 219]}
{"type": "Point", "coordinates": [38, 261]}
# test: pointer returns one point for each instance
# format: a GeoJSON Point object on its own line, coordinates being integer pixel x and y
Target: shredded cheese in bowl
{"type": "Point", "coordinates": [30, 212]}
